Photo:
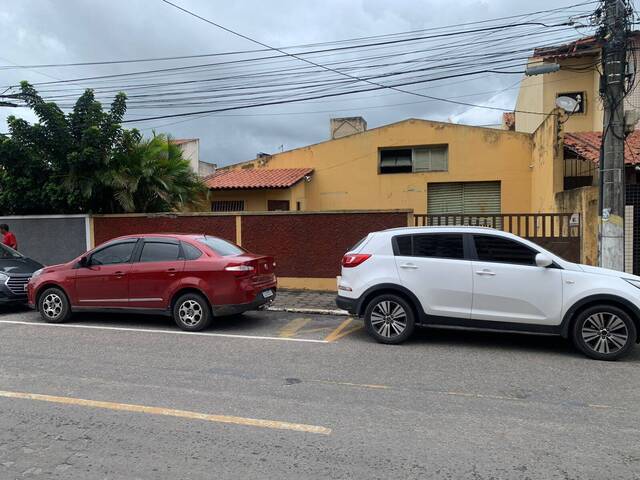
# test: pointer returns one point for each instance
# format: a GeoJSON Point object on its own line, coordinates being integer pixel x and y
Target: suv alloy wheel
{"type": "Point", "coordinates": [604, 332]}
{"type": "Point", "coordinates": [389, 319]}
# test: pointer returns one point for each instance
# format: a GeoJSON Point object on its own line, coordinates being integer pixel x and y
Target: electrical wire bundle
{"type": "Point", "coordinates": [405, 63]}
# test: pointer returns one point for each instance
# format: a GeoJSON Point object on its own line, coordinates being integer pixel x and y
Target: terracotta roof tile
{"type": "Point", "coordinates": [256, 178]}
{"type": "Point", "coordinates": [587, 146]}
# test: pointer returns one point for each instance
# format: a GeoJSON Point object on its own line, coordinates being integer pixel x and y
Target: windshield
{"type": "Point", "coordinates": [8, 252]}
{"type": "Point", "coordinates": [221, 247]}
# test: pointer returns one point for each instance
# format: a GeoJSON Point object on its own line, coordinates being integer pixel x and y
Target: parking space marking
{"type": "Point", "coordinates": [128, 407]}
{"type": "Point", "coordinates": [342, 330]}
{"type": "Point", "coordinates": [154, 330]}
{"type": "Point", "coordinates": [292, 328]}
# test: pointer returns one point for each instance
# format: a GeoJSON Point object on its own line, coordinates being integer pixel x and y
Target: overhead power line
{"type": "Point", "coordinates": [246, 37]}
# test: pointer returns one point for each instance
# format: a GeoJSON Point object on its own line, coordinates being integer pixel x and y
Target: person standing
{"type": "Point", "coordinates": [8, 238]}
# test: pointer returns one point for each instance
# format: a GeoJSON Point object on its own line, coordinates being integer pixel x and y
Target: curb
{"type": "Point", "coordinates": [319, 311]}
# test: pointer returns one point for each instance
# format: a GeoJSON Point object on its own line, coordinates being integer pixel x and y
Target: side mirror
{"type": "Point", "coordinates": [543, 260]}
{"type": "Point", "coordinates": [84, 262]}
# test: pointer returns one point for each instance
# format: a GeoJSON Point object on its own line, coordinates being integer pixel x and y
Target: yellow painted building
{"type": "Point", "coordinates": [397, 166]}
{"type": "Point", "coordinates": [542, 160]}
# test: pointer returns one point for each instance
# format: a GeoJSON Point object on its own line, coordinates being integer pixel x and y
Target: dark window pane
{"type": "Point", "coordinates": [404, 245]}
{"type": "Point", "coordinates": [190, 252]}
{"type": "Point", "coordinates": [160, 252]}
{"type": "Point", "coordinates": [438, 245]}
{"type": "Point", "coordinates": [221, 247]}
{"type": "Point", "coordinates": [395, 161]}
{"type": "Point", "coordinates": [118, 253]}
{"type": "Point", "coordinates": [498, 249]}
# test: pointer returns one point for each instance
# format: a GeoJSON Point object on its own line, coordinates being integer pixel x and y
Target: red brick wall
{"type": "Point", "coordinates": [105, 228]}
{"type": "Point", "coordinates": [304, 245]}
{"type": "Point", "coordinates": [312, 245]}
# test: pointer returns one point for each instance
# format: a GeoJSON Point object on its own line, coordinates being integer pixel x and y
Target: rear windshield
{"type": "Point", "coordinates": [360, 242]}
{"type": "Point", "coordinates": [221, 247]}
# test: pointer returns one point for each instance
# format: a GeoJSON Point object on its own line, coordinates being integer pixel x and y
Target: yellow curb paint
{"type": "Point", "coordinates": [335, 334]}
{"type": "Point", "coordinates": [126, 407]}
{"type": "Point", "coordinates": [293, 327]}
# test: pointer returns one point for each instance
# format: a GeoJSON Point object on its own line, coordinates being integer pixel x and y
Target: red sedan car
{"type": "Point", "coordinates": [190, 277]}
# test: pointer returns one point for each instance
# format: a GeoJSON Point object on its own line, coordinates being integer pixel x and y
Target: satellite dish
{"type": "Point", "coordinates": [568, 104]}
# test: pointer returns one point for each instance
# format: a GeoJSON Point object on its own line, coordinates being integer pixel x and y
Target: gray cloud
{"type": "Point", "coordinates": [40, 31]}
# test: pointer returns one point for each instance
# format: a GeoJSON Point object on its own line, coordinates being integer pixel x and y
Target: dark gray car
{"type": "Point", "coordinates": [15, 272]}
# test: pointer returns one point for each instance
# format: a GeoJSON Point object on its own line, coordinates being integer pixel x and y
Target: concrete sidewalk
{"type": "Point", "coordinates": [306, 301]}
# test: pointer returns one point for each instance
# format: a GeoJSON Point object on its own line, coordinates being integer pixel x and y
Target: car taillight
{"type": "Point", "coordinates": [354, 259]}
{"type": "Point", "coordinates": [240, 269]}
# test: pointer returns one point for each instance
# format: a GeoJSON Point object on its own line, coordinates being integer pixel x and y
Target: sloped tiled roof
{"type": "Point", "coordinates": [583, 46]}
{"type": "Point", "coordinates": [256, 178]}
{"type": "Point", "coordinates": [587, 146]}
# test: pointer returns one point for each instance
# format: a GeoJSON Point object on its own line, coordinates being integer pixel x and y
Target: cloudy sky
{"type": "Point", "coordinates": [36, 32]}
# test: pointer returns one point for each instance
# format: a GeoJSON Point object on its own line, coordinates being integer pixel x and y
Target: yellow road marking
{"type": "Point", "coordinates": [292, 328]}
{"type": "Point", "coordinates": [341, 331]}
{"type": "Point", "coordinates": [126, 407]}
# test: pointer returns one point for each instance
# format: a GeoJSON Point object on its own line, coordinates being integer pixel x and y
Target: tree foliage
{"type": "Point", "coordinates": [85, 162]}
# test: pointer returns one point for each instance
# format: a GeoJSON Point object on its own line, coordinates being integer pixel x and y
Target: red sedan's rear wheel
{"type": "Point", "coordinates": [191, 312]}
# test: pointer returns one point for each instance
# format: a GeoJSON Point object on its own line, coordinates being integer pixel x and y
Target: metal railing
{"type": "Point", "coordinates": [528, 225]}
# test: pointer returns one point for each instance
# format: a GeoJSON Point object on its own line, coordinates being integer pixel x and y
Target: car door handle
{"type": "Point", "coordinates": [409, 266]}
{"type": "Point", "coordinates": [119, 274]}
{"type": "Point", "coordinates": [488, 273]}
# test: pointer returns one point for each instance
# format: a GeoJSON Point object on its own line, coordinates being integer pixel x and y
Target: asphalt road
{"type": "Point", "coordinates": [285, 396]}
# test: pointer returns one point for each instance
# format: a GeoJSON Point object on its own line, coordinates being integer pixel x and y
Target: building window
{"type": "Point", "coordinates": [579, 97]}
{"type": "Point", "coordinates": [278, 205]}
{"type": "Point", "coordinates": [419, 159]}
{"type": "Point", "coordinates": [227, 206]}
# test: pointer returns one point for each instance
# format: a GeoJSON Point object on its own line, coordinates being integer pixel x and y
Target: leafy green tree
{"type": "Point", "coordinates": [154, 177]}
{"type": "Point", "coordinates": [85, 162]}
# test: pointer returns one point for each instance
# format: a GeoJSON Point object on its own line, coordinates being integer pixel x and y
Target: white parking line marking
{"type": "Point", "coordinates": [128, 407]}
{"type": "Point", "coordinates": [154, 330]}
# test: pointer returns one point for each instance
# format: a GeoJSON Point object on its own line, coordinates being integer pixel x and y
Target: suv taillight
{"type": "Point", "coordinates": [351, 260]}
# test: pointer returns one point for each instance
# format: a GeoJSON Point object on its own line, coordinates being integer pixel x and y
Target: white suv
{"type": "Point", "coordinates": [486, 279]}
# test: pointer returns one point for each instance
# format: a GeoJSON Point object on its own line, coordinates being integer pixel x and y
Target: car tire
{"type": "Point", "coordinates": [191, 312]}
{"type": "Point", "coordinates": [53, 306]}
{"type": "Point", "coordinates": [604, 332]}
{"type": "Point", "coordinates": [389, 319]}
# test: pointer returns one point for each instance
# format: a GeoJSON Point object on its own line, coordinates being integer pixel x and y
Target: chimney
{"type": "Point", "coordinates": [341, 127]}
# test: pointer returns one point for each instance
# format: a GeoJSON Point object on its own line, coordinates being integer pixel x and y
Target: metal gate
{"type": "Point", "coordinates": [559, 233]}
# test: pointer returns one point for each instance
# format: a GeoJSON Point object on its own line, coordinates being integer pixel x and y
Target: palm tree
{"type": "Point", "coordinates": [154, 177]}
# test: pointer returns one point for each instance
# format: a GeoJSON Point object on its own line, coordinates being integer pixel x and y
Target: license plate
{"type": "Point", "coordinates": [267, 294]}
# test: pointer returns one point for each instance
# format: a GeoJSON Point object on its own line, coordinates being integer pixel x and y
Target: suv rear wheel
{"type": "Point", "coordinates": [389, 319]}
{"type": "Point", "coordinates": [604, 332]}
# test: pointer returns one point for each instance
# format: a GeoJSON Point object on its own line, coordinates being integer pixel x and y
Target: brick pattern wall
{"type": "Point", "coordinates": [305, 245]}
{"type": "Point", "coordinates": [312, 245]}
{"type": "Point", "coordinates": [106, 228]}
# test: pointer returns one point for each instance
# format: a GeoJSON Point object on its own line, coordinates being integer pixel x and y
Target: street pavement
{"type": "Point", "coordinates": [287, 396]}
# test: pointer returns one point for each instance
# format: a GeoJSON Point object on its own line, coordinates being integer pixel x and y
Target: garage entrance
{"type": "Point", "coordinates": [463, 197]}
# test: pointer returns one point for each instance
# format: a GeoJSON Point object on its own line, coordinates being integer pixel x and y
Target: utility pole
{"type": "Point", "coordinates": [612, 190]}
